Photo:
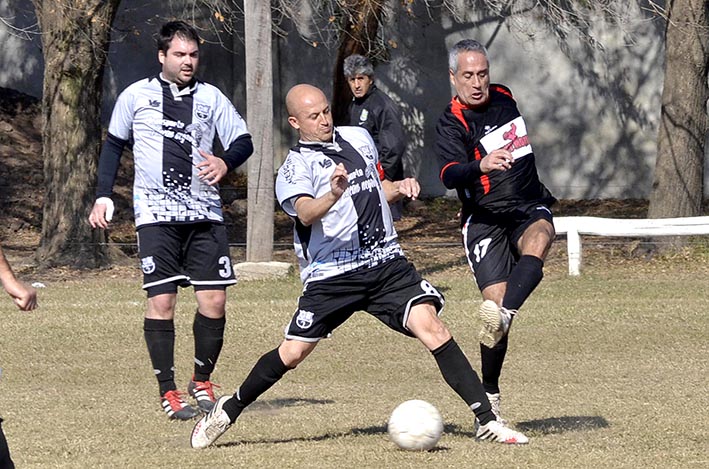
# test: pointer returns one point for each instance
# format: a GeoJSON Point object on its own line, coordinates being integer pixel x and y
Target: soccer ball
{"type": "Point", "coordinates": [415, 425]}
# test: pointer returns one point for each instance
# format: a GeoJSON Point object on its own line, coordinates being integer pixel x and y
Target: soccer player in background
{"type": "Point", "coordinates": [485, 155]}
{"type": "Point", "coordinates": [25, 297]}
{"type": "Point", "coordinates": [171, 119]}
{"type": "Point", "coordinates": [373, 110]}
{"type": "Point", "coordinates": [350, 260]}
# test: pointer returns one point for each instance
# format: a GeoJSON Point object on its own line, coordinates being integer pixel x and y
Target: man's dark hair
{"type": "Point", "coordinates": [175, 28]}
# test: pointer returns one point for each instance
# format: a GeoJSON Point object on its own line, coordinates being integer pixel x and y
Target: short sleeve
{"type": "Point", "coordinates": [294, 180]}
{"type": "Point", "coordinates": [121, 124]}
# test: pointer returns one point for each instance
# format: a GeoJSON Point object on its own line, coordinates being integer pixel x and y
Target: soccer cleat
{"type": "Point", "coordinates": [496, 322]}
{"type": "Point", "coordinates": [176, 407]}
{"type": "Point", "coordinates": [495, 404]}
{"type": "Point", "coordinates": [203, 392]}
{"type": "Point", "coordinates": [211, 426]}
{"type": "Point", "coordinates": [495, 430]}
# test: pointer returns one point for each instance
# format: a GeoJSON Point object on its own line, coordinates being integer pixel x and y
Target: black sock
{"type": "Point", "coordinates": [267, 371]}
{"type": "Point", "coordinates": [524, 278]}
{"type": "Point", "coordinates": [5, 460]}
{"type": "Point", "coordinates": [492, 359]}
{"type": "Point", "coordinates": [461, 377]}
{"type": "Point", "coordinates": [208, 341]}
{"type": "Point", "coordinates": [160, 338]}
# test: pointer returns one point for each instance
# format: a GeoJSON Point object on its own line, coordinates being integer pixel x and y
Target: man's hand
{"type": "Point", "coordinates": [310, 210]}
{"type": "Point", "coordinates": [338, 181]}
{"type": "Point", "coordinates": [101, 213]}
{"type": "Point", "coordinates": [212, 169]}
{"type": "Point", "coordinates": [25, 296]}
{"type": "Point", "coordinates": [397, 190]}
{"type": "Point", "coordinates": [409, 187]}
{"type": "Point", "coordinates": [497, 160]}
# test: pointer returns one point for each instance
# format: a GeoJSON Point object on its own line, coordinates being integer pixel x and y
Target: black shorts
{"type": "Point", "coordinates": [194, 254]}
{"type": "Point", "coordinates": [387, 292]}
{"type": "Point", "coordinates": [490, 241]}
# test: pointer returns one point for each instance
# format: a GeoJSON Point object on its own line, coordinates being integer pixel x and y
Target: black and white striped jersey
{"type": "Point", "coordinates": [168, 126]}
{"type": "Point", "coordinates": [358, 231]}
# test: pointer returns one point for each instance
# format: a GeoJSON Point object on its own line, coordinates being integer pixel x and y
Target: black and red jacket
{"type": "Point", "coordinates": [465, 135]}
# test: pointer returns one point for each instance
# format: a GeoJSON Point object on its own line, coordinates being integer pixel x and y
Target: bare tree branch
{"type": "Point", "coordinates": [21, 33]}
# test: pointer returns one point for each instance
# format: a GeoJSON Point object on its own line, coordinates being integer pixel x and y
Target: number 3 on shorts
{"type": "Point", "coordinates": [226, 263]}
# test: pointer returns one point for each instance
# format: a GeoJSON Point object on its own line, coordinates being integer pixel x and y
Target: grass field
{"type": "Point", "coordinates": [604, 370]}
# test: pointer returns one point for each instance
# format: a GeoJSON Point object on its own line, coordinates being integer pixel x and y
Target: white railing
{"type": "Point", "coordinates": [574, 227]}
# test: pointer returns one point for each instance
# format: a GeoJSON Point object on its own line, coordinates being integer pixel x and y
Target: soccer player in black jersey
{"type": "Point", "coordinates": [25, 297]}
{"type": "Point", "coordinates": [350, 261]}
{"type": "Point", "coordinates": [485, 155]}
{"type": "Point", "coordinates": [172, 119]}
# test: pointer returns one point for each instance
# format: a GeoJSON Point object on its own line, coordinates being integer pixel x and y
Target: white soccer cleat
{"type": "Point", "coordinates": [495, 404]}
{"type": "Point", "coordinates": [496, 322]}
{"type": "Point", "coordinates": [211, 426]}
{"type": "Point", "coordinates": [496, 431]}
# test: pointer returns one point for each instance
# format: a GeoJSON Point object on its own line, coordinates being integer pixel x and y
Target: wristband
{"type": "Point", "coordinates": [109, 206]}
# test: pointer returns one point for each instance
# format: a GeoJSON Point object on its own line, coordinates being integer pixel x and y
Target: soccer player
{"type": "Point", "coordinates": [171, 119]}
{"type": "Point", "coordinates": [485, 155]}
{"type": "Point", "coordinates": [350, 260]}
{"type": "Point", "coordinates": [25, 297]}
{"type": "Point", "coordinates": [373, 110]}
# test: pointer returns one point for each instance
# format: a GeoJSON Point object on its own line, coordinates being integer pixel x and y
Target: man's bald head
{"type": "Point", "coordinates": [299, 95]}
{"type": "Point", "coordinates": [309, 113]}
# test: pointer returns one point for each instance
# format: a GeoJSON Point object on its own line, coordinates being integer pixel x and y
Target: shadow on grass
{"type": "Point", "coordinates": [373, 430]}
{"type": "Point", "coordinates": [449, 429]}
{"type": "Point", "coordinates": [555, 425]}
{"type": "Point", "coordinates": [275, 404]}
{"type": "Point", "coordinates": [552, 425]}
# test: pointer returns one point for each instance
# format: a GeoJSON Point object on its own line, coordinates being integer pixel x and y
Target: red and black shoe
{"type": "Point", "coordinates": [176, 408]}
{"type": "Point", "coordinates": [203, 392]}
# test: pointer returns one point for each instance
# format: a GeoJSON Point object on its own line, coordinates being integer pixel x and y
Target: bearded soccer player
{"type": "Point", "coordinates": [507, 226]}
{"type": "Point", "coordinates": [172, 119]}
{"type": "Point", "coordinates": [350, 260]}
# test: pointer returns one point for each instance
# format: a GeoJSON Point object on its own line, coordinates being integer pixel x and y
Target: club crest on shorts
{"type": "Point", "coordinates": [147, 264]}
{"type": "Point", "coordinates": [304, 319]}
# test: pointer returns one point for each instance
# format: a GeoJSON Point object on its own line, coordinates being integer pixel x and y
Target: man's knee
{"type": "Point", "coordinates": [425, 324]}
{"type": "Point", "coordinates": [293, 352]}
{"type": "Point", "coordinates": [211, 303]}
{"type": "Point", "coordinates": [161, 306]}
{"type": "Point", "coordinates": [537, 239]}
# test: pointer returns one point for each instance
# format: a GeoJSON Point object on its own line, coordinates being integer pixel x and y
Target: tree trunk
{"type": "Point", "coordinates": [359, 29]}
{"type": "Point", "coordinates": [75, 35]}
{"type": "Point", "coordinates": [259, 109]}
{"type": "Point", "coordinates": [677, 189]}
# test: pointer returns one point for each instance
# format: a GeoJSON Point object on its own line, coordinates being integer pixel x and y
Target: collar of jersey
{"type": "Point", "coordinates": [332, 145]}
{"type": "Point", "coordinates": [177, 92]}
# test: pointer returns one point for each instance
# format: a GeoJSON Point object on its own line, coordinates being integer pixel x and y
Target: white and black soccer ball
{"type": "Point", "coordinates": [415, 425]}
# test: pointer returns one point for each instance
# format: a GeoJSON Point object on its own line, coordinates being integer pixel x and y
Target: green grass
{"type": "Point", "coordinates": [605, 370]}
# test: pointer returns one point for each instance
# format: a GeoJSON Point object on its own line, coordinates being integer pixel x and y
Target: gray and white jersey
{"type": "Point", "coordinates": [168, 126]}
{"type": "Point", "coordinates": [358, 231]}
